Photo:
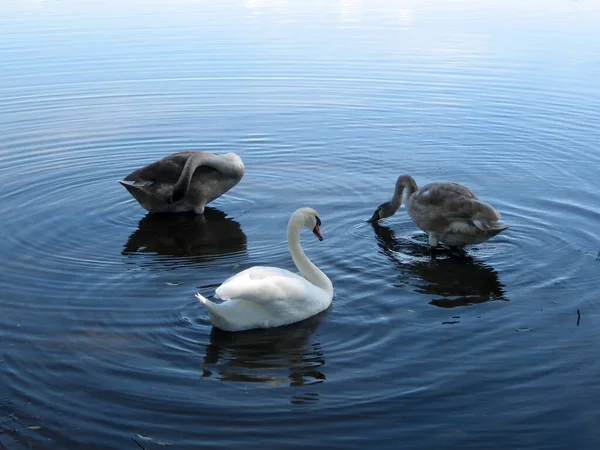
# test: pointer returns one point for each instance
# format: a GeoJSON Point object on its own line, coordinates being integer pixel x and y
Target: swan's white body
{"type": "Point", "coordinates": [267, 297]}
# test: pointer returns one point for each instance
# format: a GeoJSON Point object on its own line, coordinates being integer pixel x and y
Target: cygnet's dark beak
{"type": "Point", "coordinates": [374, 217]}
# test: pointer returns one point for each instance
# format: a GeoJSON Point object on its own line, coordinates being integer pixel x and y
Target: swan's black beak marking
{"type": "Point", "coordinates": [317, 229]}
{"type": "Point", "coordinates": [374, 217]}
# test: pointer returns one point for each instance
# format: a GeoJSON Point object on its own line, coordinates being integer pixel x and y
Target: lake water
{"type": "Point", "coordinates": [102, 343]}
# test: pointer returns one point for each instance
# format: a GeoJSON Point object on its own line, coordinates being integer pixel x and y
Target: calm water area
{"type": "Point", "coordinates": [102, 343]}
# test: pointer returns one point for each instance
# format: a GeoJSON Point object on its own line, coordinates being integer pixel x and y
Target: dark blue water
{"type": "Point", "coordinates": [102, 343]}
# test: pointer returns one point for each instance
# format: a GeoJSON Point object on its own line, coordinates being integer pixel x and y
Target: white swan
{"type": "Point", "coordinates": [447, 212]}
{"type": "Point", "coordinates": [268, 297]}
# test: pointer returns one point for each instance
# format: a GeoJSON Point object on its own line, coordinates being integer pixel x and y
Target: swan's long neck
{"type": "Point", "coordinates": [308, 270]}
{"type": "Point", "coordinates": [407, 183]}
{"type": "Point", "coordinates": [228, 164]}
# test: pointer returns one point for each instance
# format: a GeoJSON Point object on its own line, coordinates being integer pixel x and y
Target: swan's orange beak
{"type": "Point", "coordinates": [317, 232]}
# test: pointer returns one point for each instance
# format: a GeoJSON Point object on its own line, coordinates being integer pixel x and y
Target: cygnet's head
{"type": "Point", "coordinates": [388, 209]}
{"type": "Point", "coordinates": [308, 218]}
{"type": "Point", "coordinates": [384, 210]}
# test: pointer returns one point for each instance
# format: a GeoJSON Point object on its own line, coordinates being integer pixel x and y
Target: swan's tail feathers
{"type": "Point", "coordinates": [212, 309]}
{"type": "Point", "coordinates": [135, 189]}
{"type": "Point", "coordinates": [202, 299]}
{"type": "Point", "coordinates": [493, 228]}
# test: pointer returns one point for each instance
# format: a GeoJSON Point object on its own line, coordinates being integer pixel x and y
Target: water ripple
{"type": "Point", "coordinates": [102, 339]}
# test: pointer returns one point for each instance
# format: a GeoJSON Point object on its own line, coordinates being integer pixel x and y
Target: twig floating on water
{"type": "Point", "coordinates": [578, 317]}
{"type": "Point", "coordinates": [141, 446]}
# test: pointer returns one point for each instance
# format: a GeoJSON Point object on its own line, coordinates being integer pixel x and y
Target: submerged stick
{"type": "Point", "coordinates": [141, 446]}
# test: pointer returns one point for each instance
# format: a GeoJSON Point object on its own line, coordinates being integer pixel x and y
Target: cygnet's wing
{"type": "Point", "coordinates": [452, 201]}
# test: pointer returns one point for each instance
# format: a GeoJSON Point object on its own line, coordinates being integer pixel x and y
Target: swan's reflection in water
{"type": "Point", "coordinates": [200, 238]}
{"type": "Point", "coordinates": [453, 277]}
{"type": "Point", "coordinates": [284, 356]}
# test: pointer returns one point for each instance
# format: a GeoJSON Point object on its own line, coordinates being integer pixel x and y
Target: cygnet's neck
{"type": "Point", "coordinates": [404, 182]}
{"type": "Point", "coordinates": [228, 164]}
{"type": "Point", "coordinates": [307, 269]}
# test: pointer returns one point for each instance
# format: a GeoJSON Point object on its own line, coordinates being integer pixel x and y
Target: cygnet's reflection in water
{"type": "Point", "coordinates": [454, 277]}
{"type": "Point", "coordinates": [201, 238]}
{"type": "Point", "coordinates": [284, 356]}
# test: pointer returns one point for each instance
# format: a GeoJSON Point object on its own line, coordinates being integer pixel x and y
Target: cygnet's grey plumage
{"type": "Point", "coordinates": [184, 181]}
{"type": "Point", "coordinates": [447, 212]}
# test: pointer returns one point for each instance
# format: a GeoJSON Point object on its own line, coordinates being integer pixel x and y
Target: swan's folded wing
{"type": "Point", "coordinates": [263, 285]}
{"type": "Point", "coordinates": [165, 170]}
{"type": "Point", "coordinates": [436, 194]}
{"type": "Point", "coordinates": [454, 202]}
{"type": "Point", "coordinates": [460, 208]}
{"type": "Point", "coordinates": [259, 272]}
